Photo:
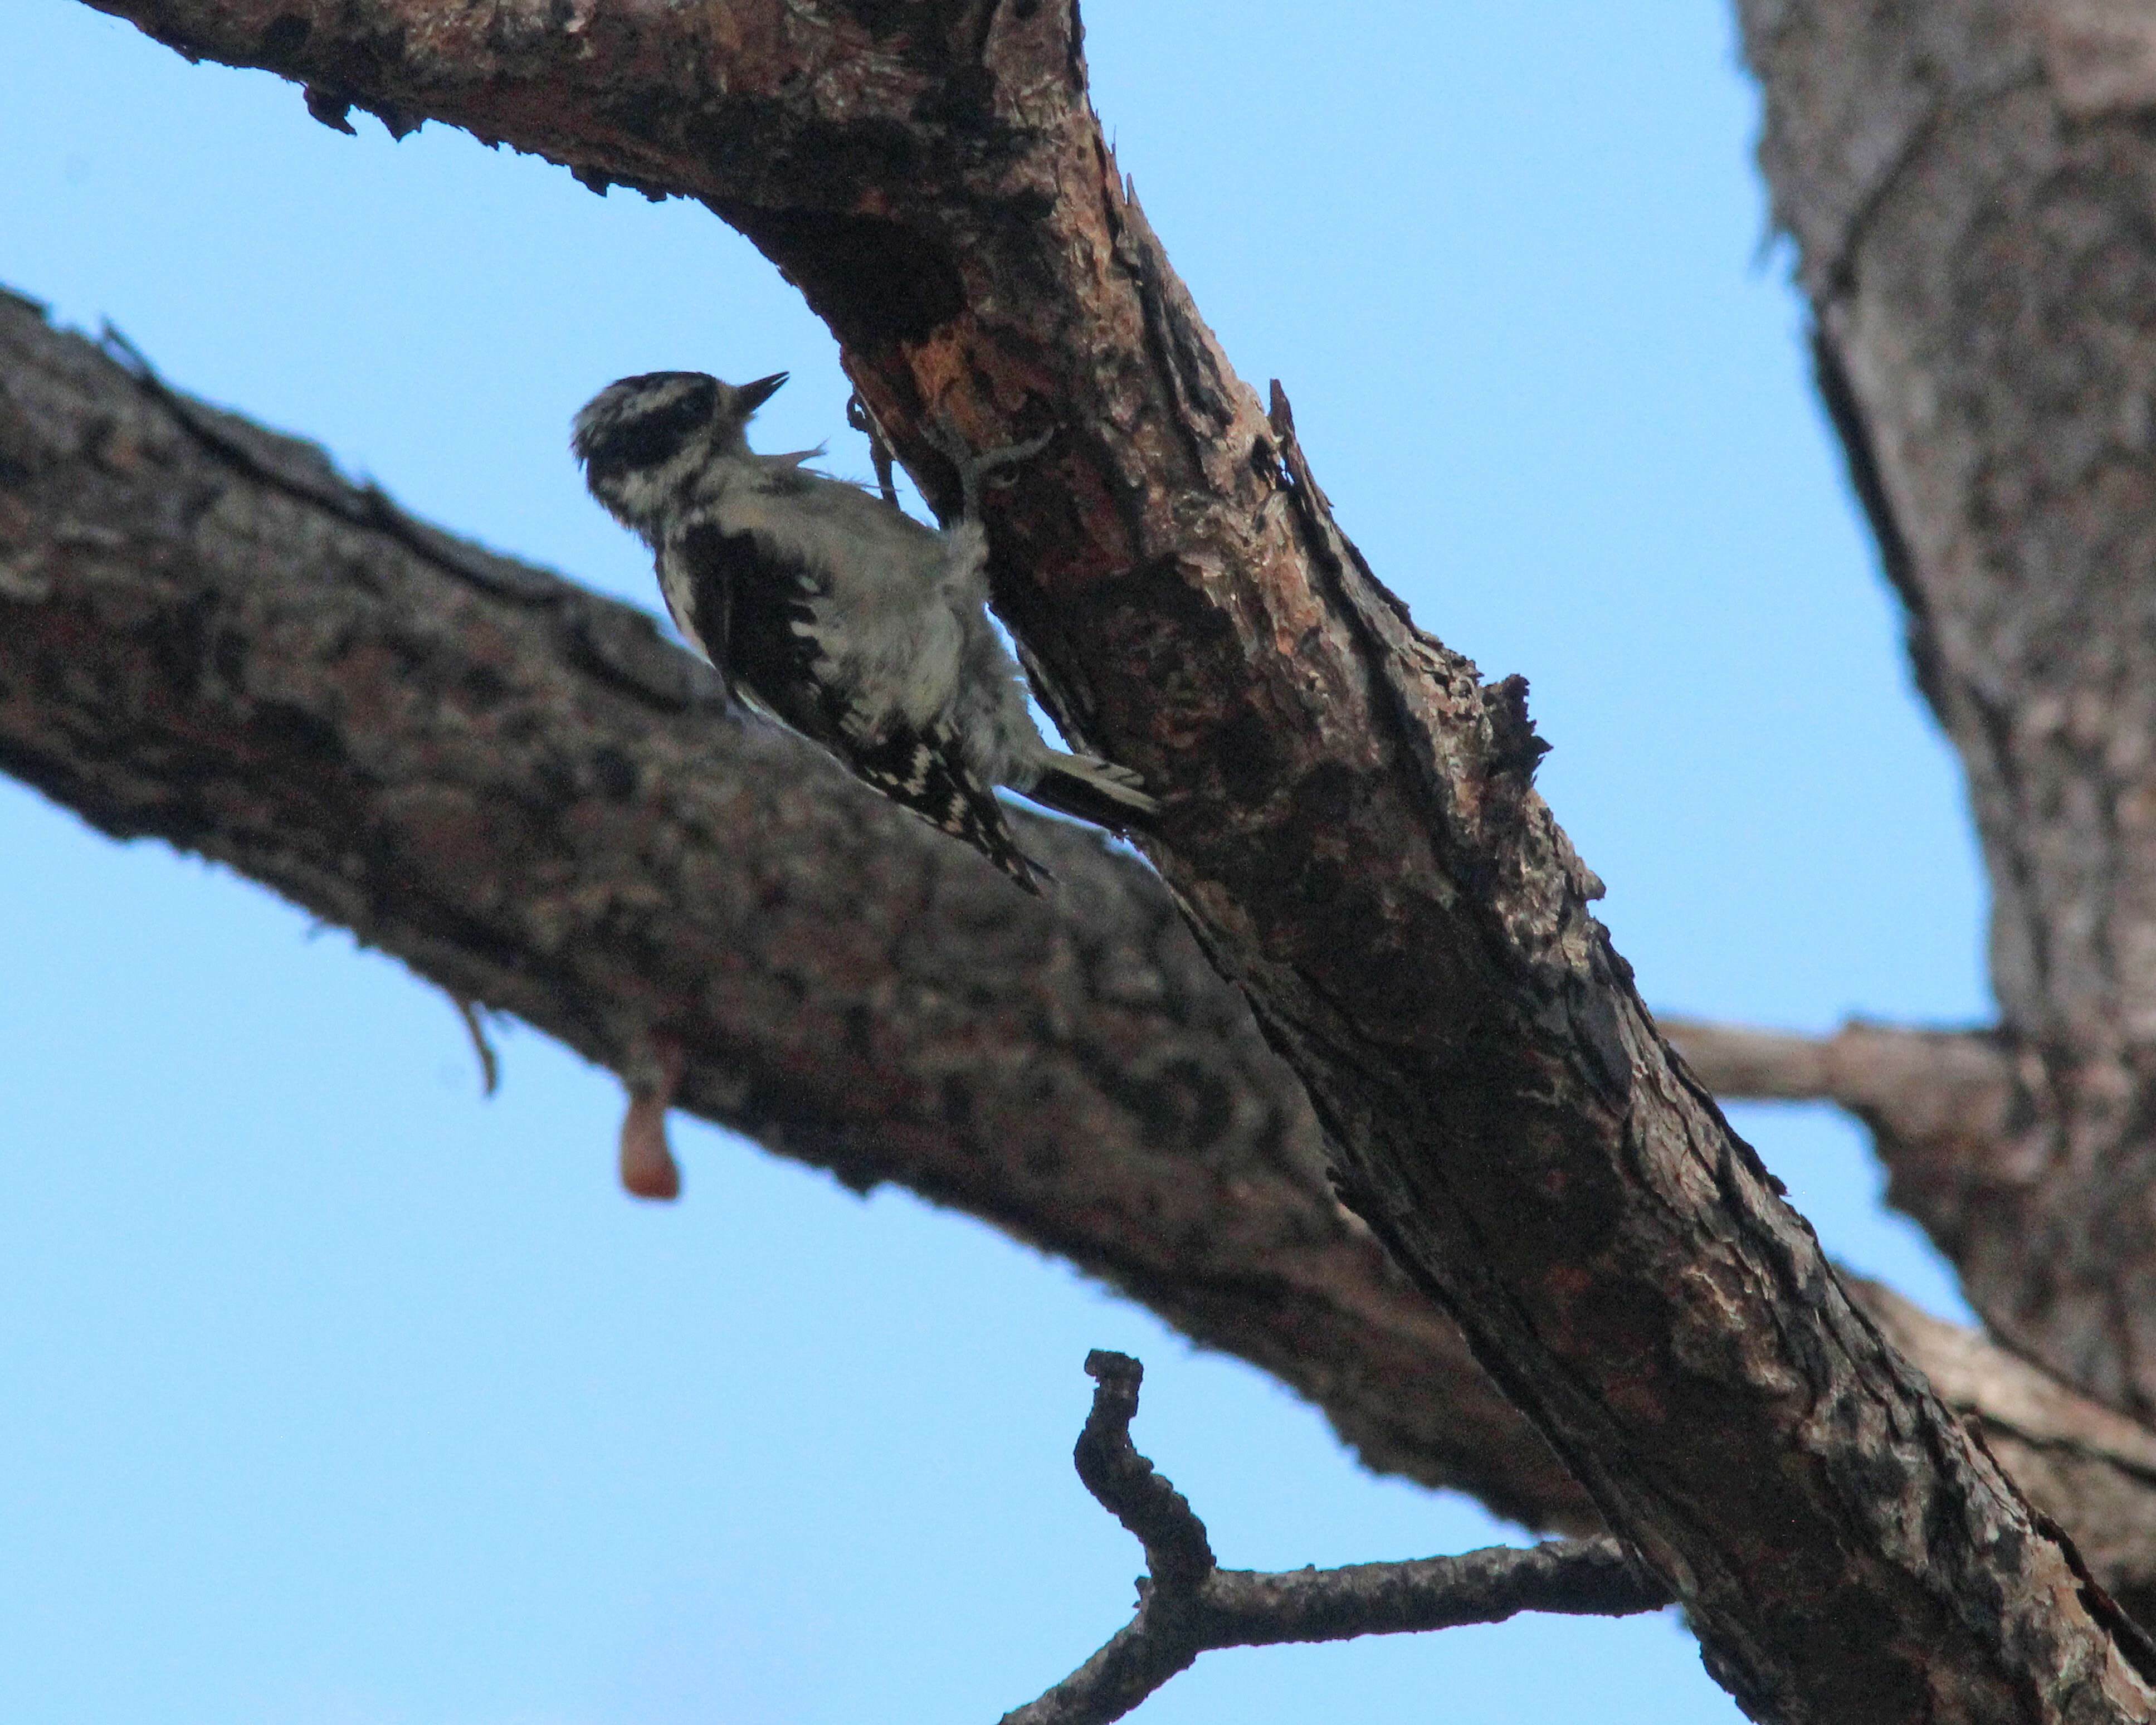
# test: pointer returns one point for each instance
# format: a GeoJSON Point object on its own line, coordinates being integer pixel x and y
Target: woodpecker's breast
{"type": "Point", "coordinates": [677, 587]}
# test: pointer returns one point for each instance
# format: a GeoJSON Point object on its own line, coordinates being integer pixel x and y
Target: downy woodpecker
{"type": "Point", "coordinates": [837, 613]}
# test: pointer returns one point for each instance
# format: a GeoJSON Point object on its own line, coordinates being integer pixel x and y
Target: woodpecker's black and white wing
{"type": "Point", "coordinates": [760, 610]}
{"type": "Point", "coordinates": [884, 629]}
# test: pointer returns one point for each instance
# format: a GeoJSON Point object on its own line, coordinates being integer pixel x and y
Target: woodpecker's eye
{"type": "Point", "coordinates": [654, 436]}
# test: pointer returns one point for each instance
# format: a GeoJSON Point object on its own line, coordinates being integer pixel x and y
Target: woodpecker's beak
{"type": "Point", "coordinates": [753, 396]}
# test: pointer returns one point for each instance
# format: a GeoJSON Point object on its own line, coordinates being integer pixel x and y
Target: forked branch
{"type": "Point", "coordinates": [1187, 1605]}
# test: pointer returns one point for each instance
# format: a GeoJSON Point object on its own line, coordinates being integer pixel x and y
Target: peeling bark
{"type": "Point", "coordinates": [1351, 826]}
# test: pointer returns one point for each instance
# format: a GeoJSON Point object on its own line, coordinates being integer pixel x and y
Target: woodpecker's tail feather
{"type": "Point", "coordinates": [1096, 791]}
{"type": "Point", "coordinates": [1002, 850]}
{"type": "Point", "coordinates": [925, 774]}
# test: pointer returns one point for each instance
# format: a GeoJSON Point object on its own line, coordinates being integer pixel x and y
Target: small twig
{"type": "Point", "coordinates": [489, 1067]}
{"type": "Point", "coordinates": [1188, 1606]}
{"type": "Point", "coordinates": [858, 417]}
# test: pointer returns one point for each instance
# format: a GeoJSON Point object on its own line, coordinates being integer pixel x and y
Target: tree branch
{"type": "Point", "coordinates": [1348, 823]}
{"type": "Point", "coordinates": [1923, 1080]}
{"type": "Point", "coordinates": [1956, 1115]}
{"type": "Point", "coordinates": [1188, 1605]}
{"type": "Point", "coordinates": [1200, 1194]}
{"type": "Point", "coordinates": [514, 786]}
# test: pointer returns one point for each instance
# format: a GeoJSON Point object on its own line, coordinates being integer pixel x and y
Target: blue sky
{"type": "Point", "coordinates": [331, 1392]}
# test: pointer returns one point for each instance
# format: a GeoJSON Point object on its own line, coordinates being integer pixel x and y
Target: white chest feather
{"type": "Point", "coordinates": [674, 583]}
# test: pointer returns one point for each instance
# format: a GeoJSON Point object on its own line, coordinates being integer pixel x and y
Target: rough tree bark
{"type": "Point", "coordinates": [1350, 829]}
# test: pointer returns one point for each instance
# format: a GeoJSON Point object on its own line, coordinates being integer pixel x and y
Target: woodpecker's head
{"type": "Point", "coordinates": [640, 438]}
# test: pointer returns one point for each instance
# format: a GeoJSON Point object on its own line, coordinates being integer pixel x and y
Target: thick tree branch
{"type": "Point", "coordinates": [1349, 820]}
{"type": "Point", "coordinates": [1968, 183]}
{"type": "Point", "coordinates": [1198, 1193]}
{"type": "Point", "coordinates": [1199, 1190]}
{"type": "Point", "coordinates": [515, 788]}
{"type": "Point", "coordinates": [1188, 1605]}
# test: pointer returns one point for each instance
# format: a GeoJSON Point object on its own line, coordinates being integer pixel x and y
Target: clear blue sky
{"type": "Point", "coordinates": [330, 1392]}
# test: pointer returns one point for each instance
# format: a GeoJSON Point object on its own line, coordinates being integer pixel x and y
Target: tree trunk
{"type": "Point", "coordinates": [1969, 185]}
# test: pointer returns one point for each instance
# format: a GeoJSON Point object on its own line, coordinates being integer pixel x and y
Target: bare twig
{"type": "Point", "coordinates": [1188, 1606]}
{"type": "Point", "coordinates": [489, 1064]}
{"type": "Point", "coordinates": [1176, 1549]}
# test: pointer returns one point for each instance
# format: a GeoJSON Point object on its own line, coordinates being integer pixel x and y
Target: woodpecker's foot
{"type": "Point", "coordinates": [973, 469]}
{"type": "Point", "coordinates": [863, 421]}
{"type": "Point", "coordinates": [653, 1074]}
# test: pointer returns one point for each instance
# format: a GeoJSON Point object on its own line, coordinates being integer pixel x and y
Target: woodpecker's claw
{"type": "Point", "coordinates": [863, 421]}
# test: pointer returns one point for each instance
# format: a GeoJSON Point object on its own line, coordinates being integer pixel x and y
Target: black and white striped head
{"type": "Point", "coordinates": [640, 438]}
